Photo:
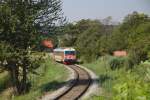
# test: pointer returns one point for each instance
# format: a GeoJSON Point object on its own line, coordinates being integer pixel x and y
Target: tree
{"type": "Point", "coordinates": [89, 37]}
{"type": "Point", "coordinates": [87, 42]}
{"type": "Point", "coordinates": [132, 35]}
{"type": "Point", "coordinates": [139, 44]}
{"type": "Point", "coordinates": [132, 21]}
{"type": "Point", "coordinates": [21, 21]}
{"type": "Point", "coordinates": [69, 35]}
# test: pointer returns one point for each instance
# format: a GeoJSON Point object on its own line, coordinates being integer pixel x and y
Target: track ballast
{"type": "Point", "coordinates": [79, 86]}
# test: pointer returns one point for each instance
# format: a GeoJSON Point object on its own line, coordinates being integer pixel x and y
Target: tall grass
{"type": "Point", "coordinates": [119, 80]}
{"type": "Point", "coordinates": [50, 77]}
{"type": "Point", "coordinates": [4, 78]}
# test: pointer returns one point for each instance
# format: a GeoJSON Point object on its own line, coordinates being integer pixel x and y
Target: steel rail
{"type": "Point", "coordinates": [80, 84]}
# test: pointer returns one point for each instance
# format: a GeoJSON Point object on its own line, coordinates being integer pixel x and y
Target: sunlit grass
{"type": "Point", "coordinates": [111, 80]}
{"type": "Point", "coordinates": [54, 76]}
{"type": "Point", "coordinates": [107, 77]}
{"type": "Point", "coordinates": [50, 77]}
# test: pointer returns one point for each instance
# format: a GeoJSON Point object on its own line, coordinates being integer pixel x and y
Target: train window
{"type": "Point", "coordinates": [70, 52]}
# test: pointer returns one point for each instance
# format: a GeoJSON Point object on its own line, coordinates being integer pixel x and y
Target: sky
{"type": "Point", "coordinates": [76, 10]}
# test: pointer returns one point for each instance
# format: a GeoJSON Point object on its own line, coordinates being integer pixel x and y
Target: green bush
{"type": "Point", "coordinates": [134, 85]}
{"type": "Point", "coordinates": [136, 55]}
{"type": "Point", "coordinates": [118, 62]}
{"type": "Point", "coordinates": [121, 84]}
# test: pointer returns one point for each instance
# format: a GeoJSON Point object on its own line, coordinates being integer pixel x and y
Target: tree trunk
{"type": "Point", "coordinates": [24, 80]}
{"type": "Point", "coordinates": [14, 72]}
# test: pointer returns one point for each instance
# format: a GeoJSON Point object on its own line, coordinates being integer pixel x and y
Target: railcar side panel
{"type": "Point", "coordinates": [59, 56]}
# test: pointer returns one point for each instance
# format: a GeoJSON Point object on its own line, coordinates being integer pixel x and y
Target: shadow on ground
{"type": "Point", "coordinates": [104, 78]}
{"type": "Point", "coordinates": [51, 86]}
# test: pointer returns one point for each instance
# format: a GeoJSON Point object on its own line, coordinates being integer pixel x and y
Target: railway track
{"type": "Point", "coordinates": [79, 86]}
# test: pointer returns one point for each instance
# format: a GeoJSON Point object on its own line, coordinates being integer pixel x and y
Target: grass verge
{"type": "Point", "coordinates": [121, 84]}
{"type": "Point", "coordinates": [50, 77]}
{"type": "Point", "coordinates": [3, 79]}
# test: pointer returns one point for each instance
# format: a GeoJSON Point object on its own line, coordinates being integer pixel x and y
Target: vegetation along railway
{"type": "Point", "coordinates": [82, 80]}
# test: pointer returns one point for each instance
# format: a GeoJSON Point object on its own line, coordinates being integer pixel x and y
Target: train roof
{"type": "Point", "coordinates": [64, 49]}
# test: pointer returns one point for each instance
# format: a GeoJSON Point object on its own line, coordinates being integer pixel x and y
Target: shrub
{"type": "Point", "coordinates": [137, 55]}
{"type": "Point", "coordinates": [131, 87]}
{"type": "Point", "coordinates": [117, 62]}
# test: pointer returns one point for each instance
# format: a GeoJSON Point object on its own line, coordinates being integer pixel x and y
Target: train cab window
{"type": "Point", "coordinates": [70, 52]}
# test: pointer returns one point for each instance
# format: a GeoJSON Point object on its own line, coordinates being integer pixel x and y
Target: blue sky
{"type": "Point", "coordinates": [99, 9]}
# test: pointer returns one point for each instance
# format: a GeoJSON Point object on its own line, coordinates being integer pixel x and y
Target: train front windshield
{"type": "Point", "coordinates": [70, 52]}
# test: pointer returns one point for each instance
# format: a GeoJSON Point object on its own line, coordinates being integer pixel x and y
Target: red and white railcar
{"type": "Point", "coordinates": [65, 55]}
